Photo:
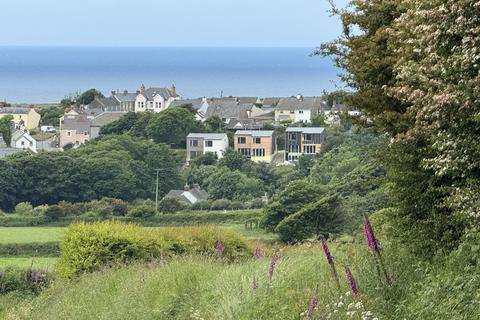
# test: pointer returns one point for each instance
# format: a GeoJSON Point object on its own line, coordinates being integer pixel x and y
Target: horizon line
{"type": "Point", "coordinates": [142, 46]}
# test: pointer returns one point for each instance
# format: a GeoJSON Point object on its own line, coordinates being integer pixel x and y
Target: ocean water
{"type": "Point", "coordinates": [47, 74]}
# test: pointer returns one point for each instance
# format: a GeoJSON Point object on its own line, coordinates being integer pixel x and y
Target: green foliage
{"type": "Point", "coordinates": [202, 205]}
{"type": "Point", "coordinates": [233, 185]}
{"type": "Point", "coordinates": [30, 249]}
{"type": "Point", "coordinates": [88, 96]}
{"type": "Point", "coordinates": [170, 205]}
{"type": "Point", "coordinates": [6, 123]}
{"type": "Point", "coordinates": [235, 161]}
{"type": "Point", "coordinates": [23, 281]}
{"type": "Point", "coordinates": [122, 125]}
{"type": "Point", "coordinates": [214, 124]}
{"type": "Point", "coordinates": [50, 116]}
{"type": "Point", "coordinates": [24, 209]}
{"type": "Point", "coordinates": [172, 126]}
{"type": "Point", "coordinates": [335, 97]}
{"type": "Point", "coordinates": [142, 211]}
{"type": "Point", "coordinates": [88, 247]}
{"type": "Point", "coordinates": [54, 212]}
{"type": "Point", "coordinates": [207, 159]}
{"type": "Point", "coordinates": [221, 204]}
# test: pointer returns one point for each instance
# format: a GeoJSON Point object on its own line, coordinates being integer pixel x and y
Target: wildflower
{"type": "Point", "coordinates": [254, 283]}
{"type": "Point", "coordinates": [351, 281]}
{"type": "Point", "coordinates": [257, 253]}
{"type": "Point", "coordinates": [370, 236]}
{"type": "Point", "coordinates": [330, 261]}
{"type": "Point", "coordinates": [273, 264]}
{"type": "Point", "coordinates": [219, 248]}
{"type": "Point", "coordinates": [312, 307]}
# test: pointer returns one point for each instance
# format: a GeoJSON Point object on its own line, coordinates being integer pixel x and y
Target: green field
{"type": "Point", "coordinates": [30, 234]}
{"type": "Point", "coordinates": [27, 262]}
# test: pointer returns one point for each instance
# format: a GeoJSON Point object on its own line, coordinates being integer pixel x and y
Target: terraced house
{"type": "Point", "coordinates": [299, 109]}
{"type": "Point", "coordinates": [300, 141]}
{"type": "Point", "coordinates": [201, 143]}
{"type": "Point", "coordinates": [259, 145]}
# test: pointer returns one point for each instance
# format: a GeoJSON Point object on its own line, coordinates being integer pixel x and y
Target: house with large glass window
{"type": "Point", "coordinates": [201, 143]}
{"type": "Point", "coordinates": [259, 145]}
{"type": "Point", "coordinates": [302, 140]}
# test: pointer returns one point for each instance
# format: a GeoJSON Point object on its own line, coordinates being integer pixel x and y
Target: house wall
{"type": "Point", "coordinates": [74, 137]}
{"type": "Point", "coordinates": [31, 119]}
{"type": "Point", "coordinates": [267, 143]}
{"type": "Point", "coordinates": [283, 115]}
{"type": "Point", "coordinates": [24, 143]}
{"type": "Point", "coordinates": [304, 116]}
{"type": "Point", "coordinates": [198, 148]}
{"type": "Point", "coordinates": [138, 103]}
{"type": "Point", "coordinates": [218, 147]}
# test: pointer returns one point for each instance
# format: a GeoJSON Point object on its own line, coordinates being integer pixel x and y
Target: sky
{"type": "Point", "coordinates": [157, 23]}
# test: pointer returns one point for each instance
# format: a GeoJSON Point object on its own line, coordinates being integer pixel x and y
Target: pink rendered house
{"type": "Point", "coordinates": [74, 129]}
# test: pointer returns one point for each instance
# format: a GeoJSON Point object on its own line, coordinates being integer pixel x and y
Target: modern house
{"type": "Point", "coordinates": [259, 145]}
{"type": "Point", "coordinates": [201, 143]}
{"type": "Point", "coordinates": [300, 141]}
{"type": "Point", "coordinates": [155, 99]}
{"type": "Point", "coordinates": [22, 117]}
{"type": "Point", "coordinates": [299, 109]}
{"type": "Point", "coordinates": [74, 129]}
{"type": "Point", "coordinates": [188, 195]}
{"type": "Point", "coordinates": [22, 140]}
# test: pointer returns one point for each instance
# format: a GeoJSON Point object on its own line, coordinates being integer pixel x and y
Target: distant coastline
{"type": "Point", "coordinates": [47, 74]}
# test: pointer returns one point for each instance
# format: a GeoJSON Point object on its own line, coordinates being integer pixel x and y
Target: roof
{"type": "Point", "coordinates": [106, 118]}
{"type": "Point", "coordinates": [76, 122]}
{"type": "Point", "coordinates": [19, 133]}
{"type": "Point", "coordinates": [305, 129]}
{"type": "Point", "coordinates": [229, 109]}
{"type": "Point", "coordinates": [244, 124]}
{"type": "Point", "coordinates": [125, 96]}
{"type": "Point", "coordinates": [164, 92]}
{"type": "Point", "coordinates": [190, 197]}
{"type": "Point", "coordinates": [270, 101]}
{"type": "Point", "coordinates": [302, 103]}
{"type": "Point", "coordinates": [255, 133]}
{"type": "Point", "coordinates": [10, 110]}
{"type": "Point", "coordinates": [103, 103]}
{"type": "Point", "coordinates": [251, 100]}
{"type": "Point", "coordinates": [196, 103]}
{"type": "Point", "coordinates": [208, 136]}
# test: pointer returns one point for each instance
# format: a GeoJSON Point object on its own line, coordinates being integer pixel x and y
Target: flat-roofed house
{"type": "Point", "coordinates": [299, 109]}
{"type": "Point", "coordinates": [300, 141]}
{"type": "Point", "coordinates": [259, 145]}
{"type": "Point", "coordinates": [201, 143]}
{"type": "Point", "coordinates": [22, 117]}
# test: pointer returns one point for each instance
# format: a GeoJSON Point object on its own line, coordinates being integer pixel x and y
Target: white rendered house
{"type": "Point", "coordinates": [154, 99]}
{"type": "Point", "coordinates": [201, 143]}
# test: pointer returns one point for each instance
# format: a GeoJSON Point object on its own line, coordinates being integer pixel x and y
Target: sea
{"type": "Point", "coordinates": [48, 74]}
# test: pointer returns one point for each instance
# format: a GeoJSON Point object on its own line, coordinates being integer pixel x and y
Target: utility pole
{"type": "Point", "coordinates": [156, 192]}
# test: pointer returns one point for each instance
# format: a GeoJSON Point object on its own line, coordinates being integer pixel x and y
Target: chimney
{"type": "Point", "coordinates": [173, 90]}
{"type": "Point", "coordinates": [142, 88]}
{"type": "Point", "coordinates": [125, 92]}
{"type": "Point", "coordinates": [137, 92]}
{"type": "Point", "coordinates": [186, 187]}
{"type": "Point", "coordinates": [299, 97]}
{"type": "Point", "coordinates": [114, 92]}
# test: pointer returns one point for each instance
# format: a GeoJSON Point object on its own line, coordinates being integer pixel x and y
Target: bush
{"type": "Point", "coordinates": [39, 211]}
{"type": "Point", "coordinates": [257, 203]}
{"type": "Point", "coordinates": [21, 280]}
{"type": "Point", "coordinates": [89, 247]}
{"type": "Point", "coordinates": [119, 207]}
{"type": "Point", "coordinates": [54, 212]}
{"type": "Point", "coordinates": [142, 211]}
{"type": "Point", "coordinates": [220, 204]}
{"type": "Point", "coordinates": [237, 205]}
{"type": "Point", "coordinates": [31, 249]}
{"type": "Point", "coordinates": [202, 205]}
{"type": "Point", "coordinates": [170, 205]}
{"type": "Point", "coordinates": [24, 209]}
{"type": "Point", "coordinates": [72, 209]}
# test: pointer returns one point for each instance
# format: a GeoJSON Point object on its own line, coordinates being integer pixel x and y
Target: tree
{"type": "Point", "coordinates": [214, 124]}
{"type": "Point", "coordinates": [337, 96]}
{"type": "Point", "coordinates": [233, 185]}
{"type": "Point", "coordinates": [233, 160]}
{"type": "Point", "coordinates": [122, 125]}
{"type": "Point", "coordinates": [172, 126]}
{"type": "Point", "coordinates": [207, 159]}
{"type": "Point", "coordinates": [88, 96]}
{"type": "Point", "coordinates": [6, 123]}
{"type": "Point", "coordinates": [24, 209]}
{"type": "Point", "coordinates": [170, 205]}
{"type": "Point", "coordinates": [51, 115]}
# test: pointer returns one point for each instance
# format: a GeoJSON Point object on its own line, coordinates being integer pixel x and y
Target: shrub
{"type": "Point", "coordinates": [24, 209]}
{"type": "Point", "coordinates": [142, 211]}
{"type": "Point", "coordinates": [257, 203]}
{"type": "Point", "coordinates": [202, 205]}
{"type": "Point", "coordinates": [72, 209]}
{"type": "Point", "coordinates": [54, 212]}
{"type": "Point", "coordinates": [39, 211]}
{"type": "Point", "coordinates": [21, 280]}
{"type": "Point", "coordinates": [170, 205]}
{"type": "Point", "coordinates": [220, 204]}
{"type": "Point", "coordinates": [31, 249]}
{"type": "Point", "coordinates": [87, 247]}
{"type": "Point", "coordinates": [119, 207]}
{"type": "Point", "coordinates": [237, 205]}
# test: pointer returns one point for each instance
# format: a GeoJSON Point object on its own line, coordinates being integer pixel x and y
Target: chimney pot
{"type": "Point", "coordinates": [125, 92]}
{"type": "Point", "coordinates": [114, 92]}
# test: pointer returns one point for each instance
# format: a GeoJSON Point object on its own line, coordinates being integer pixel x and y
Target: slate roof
{"type": "Point", "coordinates": [305, 129]}
{"type": "Point", "coordinates": [76, 122]}
{"type": "Point", "coordinates": [243, 124]}
{"type": "Point", "coordinates": [270, 101]}
{"type": "Point", "coordinates": [103, 103]}
{"type": "Point", "coordinates": [251, 100]}
{"type": "Point", "coordinates": [106, 118]}
{"type": "Point", "coordinates": [196, 103]}
{"type": "Point", "coordinates": [255, 133]}
{"type": "Point", "coordinates": [208, 136]}
{"type": "Point", "coordinates": [18, 134]}
{"type": "Point", "coordinates": [10, 110]}
{"type": "Point", "coordinates": [305, 103]}
{"type": "Point", "coordinates": [189, 197]}
{"type": "Point", "coordinates": [125, 96]}
{"type": "Point", "coordinates": [164, 92]}
{"type": "Point", "coordinates": [229, 109]}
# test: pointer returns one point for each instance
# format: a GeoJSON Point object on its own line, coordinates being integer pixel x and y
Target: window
{"type": "Point", "coordinates": [309, 149]}
{"type": "Point", "coordinates": [292, 112]}
{"type": "Point", "coordinates": [193, 143]}
{"type": "Point", "coordinates": [308, 137]}
{"type": "Point", "coordinates": [259, 152]}
{"type": "Point", "coordinates": [22, 143]}
{"type": "Point", "coordinates": [257, 140]}
{"type": "Point", "coordinates": [301, 111]}
{"type": "Point", "coordinates": [293, 148]}
{"type": "Point", "coordinates": [85, 133]}
{"type": "Point", "coordinates": [209, 143]}
{"type": "Point", "coordinates": [31, 144]}
{"type": "Point", "coordinates": [194, 154]}
{"type": "Point", "coordinates": [245, 151]}
{"type": "Point", "coordinates": [69, 133]}
{"type": "Point", "coordinates": [242, 140]}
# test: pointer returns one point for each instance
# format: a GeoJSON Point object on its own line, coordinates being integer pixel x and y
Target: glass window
{"type": "Point", "coordinates": [257, 140]}
{"type": "Point", "coordinates": [209, 143]}
{"type": "Point", "coordinates": [259, 152]}
{"type": "Point", "coordinates": [193, 143]}
{"type": "Point", "coordinates": [242, 140]}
